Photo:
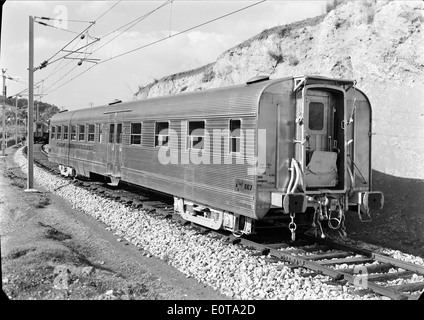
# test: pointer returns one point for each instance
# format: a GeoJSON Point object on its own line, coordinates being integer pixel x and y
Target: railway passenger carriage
{"type": "Point", "coordinates": [41, 131]}
{"type": "Point", "coordinates": [234, 155]}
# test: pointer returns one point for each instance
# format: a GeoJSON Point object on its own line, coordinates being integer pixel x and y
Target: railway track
{"type": "Point", "coordinates": [344, 263]}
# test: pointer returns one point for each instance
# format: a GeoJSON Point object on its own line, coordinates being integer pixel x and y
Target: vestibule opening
{"type": "Point", "coordinates": [323, 151]}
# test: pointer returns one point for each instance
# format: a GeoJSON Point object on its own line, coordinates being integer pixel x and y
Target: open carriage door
{"type": "Point", "coordinates": [321, 159]}
{"type": "Point", "coordinates": [319, 136]}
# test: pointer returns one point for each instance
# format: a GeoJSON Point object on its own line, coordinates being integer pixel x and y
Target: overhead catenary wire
{"type": "Point", "coordinates": [56, 68]}
{"type": "Point", "coordinates": [67, 20]}
{"type": "Point", "coordinates": [107, 11]}
{"type": "Point", "coordinates": [54, 27]}
{"type": "Point", "coordinates": [26, 89]}
{"type": "Point", "coordinates": [46, 62]}
{"type": "Point", "coordinates": [70, 53]}
{"type": "Point", "coordinates": [131, 23]}
{"type": "Point", "coordinates": [184, 31]}
{"type": "Point", "coordinates": [155, 42]}
{"type": "Point", "coordinates": [66, 74]}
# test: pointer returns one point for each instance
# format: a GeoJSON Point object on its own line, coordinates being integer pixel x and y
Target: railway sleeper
{"type": "Point", "coordinates": [408, 287]}
{"type": "Point", "coordinates": [353, 260]}
{"type": "Point", "coordinates": [390, 276]}
{"type": "Point", "coordinates": [327, 255]}
{"type": "Point", "coordinates": [382, 267]}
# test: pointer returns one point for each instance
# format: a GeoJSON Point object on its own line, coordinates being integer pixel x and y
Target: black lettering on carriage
{"type": "Point", "coordinates": [74, 146]}
{"type": "Point", "coordinates": [243, 186]}
{"type": "Point", "coordinates": [61, 145]}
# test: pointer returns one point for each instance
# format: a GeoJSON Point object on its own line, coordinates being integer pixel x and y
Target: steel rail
{"type": "Point", "coordinates": [320, 266]}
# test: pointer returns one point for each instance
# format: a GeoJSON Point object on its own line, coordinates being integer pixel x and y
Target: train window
{"type": "Point", "coordinates": [316, 116]}
{"type": "Point", "coordinates": [119, 133]}
{"type": "Point", "coordinates": [196, 134]}
{"type": "Point", "coordinates": [59, 132]}
{"type": "Point", "coordinates": [235, 136]}
{"type": "Point", "coordinates": [91, 132]}
{"type": "Point", "coordinates": [136, 133]}
{"type": "Point", "coordinates": [52, 133]}
{"type": "Point", "coordinates": [81, 132]}
{"type": "Point", "coordinates": [74, 133]}
{"type": "Point", "coordinates": [111, 132]}
{"type": "Point", "coordinates": [65, 132]}
{"type": "Point", "coordinates": [100, 133]}
{"type": "Point", "coordinates": [161, 134]}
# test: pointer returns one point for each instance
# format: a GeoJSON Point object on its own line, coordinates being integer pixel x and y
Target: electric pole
{"type": "Point", "coordinates": [30, 140]}
{"type": "Point", "coordinates": [16, 120]}
{"type": "Point", "coordinates": [3, 144]}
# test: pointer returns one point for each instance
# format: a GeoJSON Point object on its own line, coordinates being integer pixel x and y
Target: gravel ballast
{"type": "Point", "coordinates": [212, 261]}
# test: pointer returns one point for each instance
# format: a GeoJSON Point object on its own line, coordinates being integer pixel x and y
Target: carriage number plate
{"type": "Point", "coordinates": [243, 186]}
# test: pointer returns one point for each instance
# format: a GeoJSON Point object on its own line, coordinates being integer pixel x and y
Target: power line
{"type": "Point", "coordinates": [158, 41]}
{"type": "Point", "coordinates": [53, 72]}
{"type": "Point", "coordinates": [68, 54]}
{"type": "Point", "coordinates": [76, 66]}
{"type": "Point", "coordinates": [79, 35]}
{"type": "Point", "coordinates": [54, 27]}
{"type": "Point", "coordinates": [26, 89]}
{"type": "Point", "coordinates": [46, 62]}
{"type": "Point", "coordinates": [184, 31]}
{"type": "Point", "coordinates": [107, 11]}
{"type": "Point", "coordinates": [132, 24]}
{"type": "Point", "coordinates": [78, 75]}
{"type": "Point", "coordinates": [48, 18]}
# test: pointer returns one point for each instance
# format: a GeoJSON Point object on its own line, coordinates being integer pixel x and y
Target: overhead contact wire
{"type": "Point", "coordinates": [181, 32]}
{"type": "Point", "coordinates": [160, 40]}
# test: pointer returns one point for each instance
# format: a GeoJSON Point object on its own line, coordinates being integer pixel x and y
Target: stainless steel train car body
{"type": "Point", "coordinates": [280, 122]}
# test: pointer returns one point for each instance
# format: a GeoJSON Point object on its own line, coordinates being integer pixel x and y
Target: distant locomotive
{"type": "Point", "coordinates": [41, 132]}
{"type": "Point", "coordinates": [232, 156]}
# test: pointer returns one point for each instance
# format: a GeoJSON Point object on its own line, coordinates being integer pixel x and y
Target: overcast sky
{"type": "Point", "coordinates": [120, 77]}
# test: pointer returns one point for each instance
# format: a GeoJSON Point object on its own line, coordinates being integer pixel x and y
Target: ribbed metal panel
{"type": "Point", "coordinates": [204, 183]}
{"type": "Point", "coordinates": [240, 99]}
{"type": "Point", "coordinates": [213, 184]}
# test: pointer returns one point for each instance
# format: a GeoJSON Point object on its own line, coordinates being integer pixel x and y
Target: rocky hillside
{"type": "Point", "coordinates": [378, 43]}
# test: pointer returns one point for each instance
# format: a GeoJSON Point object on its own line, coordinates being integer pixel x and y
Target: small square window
{"type": "Point", "coordinates": [91, 131]}
{"type": "Point", "coordinates": [81, 132]}
{"type": "Point", "coordinates": [119, 133]}
{"type": "Point", "coordinates": [196, 134]}
{"type": "Point", "coordinates": [136, 133]}
{"type": "Point", "coordinates": [74, 133]}
{"type": "Point", "coordinates": [65, 132]}
{"type": "Point", "coordinates": [100, 133]}
{"type": "Point", "coordinates": [111, 132]}
{"type": "Point", "coordinates": [235, 135]}
{"type": "Point", "coordinates": [161, 134]}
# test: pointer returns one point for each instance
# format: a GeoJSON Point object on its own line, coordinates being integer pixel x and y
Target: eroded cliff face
{"type": "Point", "coordinates": [380, 44]}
